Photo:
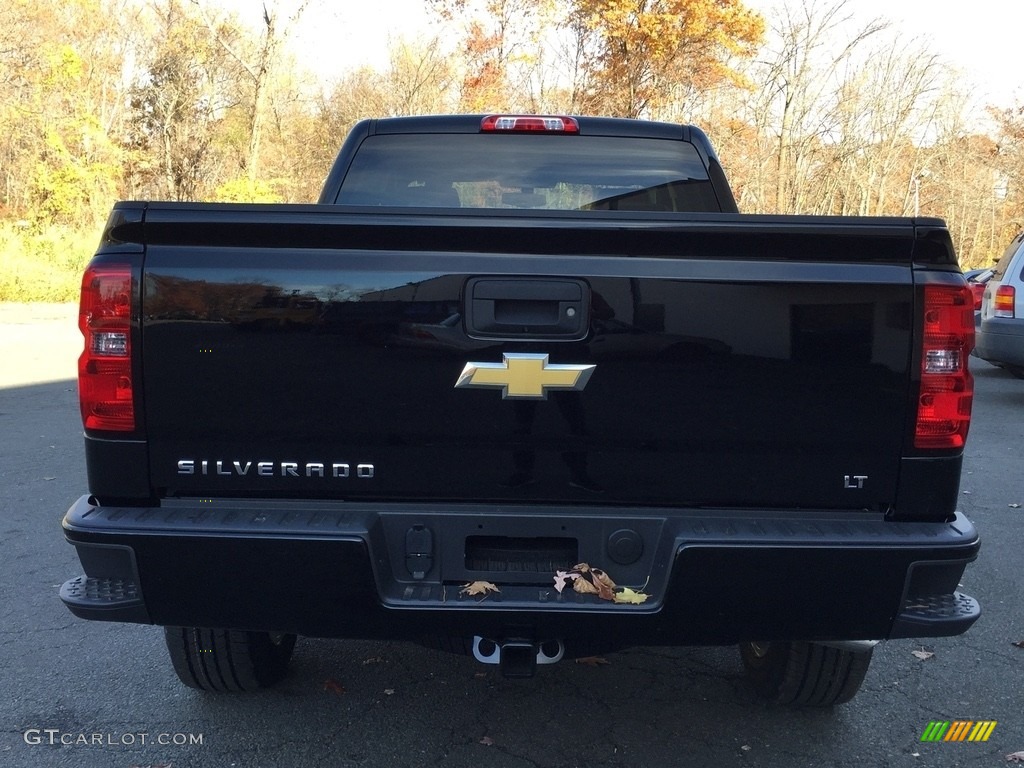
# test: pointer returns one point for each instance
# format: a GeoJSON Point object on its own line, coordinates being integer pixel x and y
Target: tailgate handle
{"type": "Point", "coordinates": [527, 308]}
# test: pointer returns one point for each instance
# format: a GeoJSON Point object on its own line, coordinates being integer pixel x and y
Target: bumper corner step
{"type": "Point", "coordinates": [104, 599]}
{"type": "Point", "coordinates": [936, 615]}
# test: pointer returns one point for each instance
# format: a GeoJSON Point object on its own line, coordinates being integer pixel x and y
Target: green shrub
{"type": "Point", "coordinates": [243, 190]}
{"type": "Point", "coordinates": [43, 263]}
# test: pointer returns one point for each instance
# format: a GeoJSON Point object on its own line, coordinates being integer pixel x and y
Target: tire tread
{"type": "Point", "coordinates": [806, 674]}
{"type": "Point", "coordinates": [227, 660]}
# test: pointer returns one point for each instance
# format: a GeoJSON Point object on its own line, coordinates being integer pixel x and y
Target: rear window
{"type": "Point", "coordinates": [528, 172]}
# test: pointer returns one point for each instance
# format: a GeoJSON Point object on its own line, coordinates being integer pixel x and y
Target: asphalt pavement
{"type": "Point", "coordinates": [77, 693]}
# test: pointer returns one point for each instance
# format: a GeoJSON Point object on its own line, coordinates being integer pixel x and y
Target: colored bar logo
{"type": "Point", "coordinates": [958, 730]}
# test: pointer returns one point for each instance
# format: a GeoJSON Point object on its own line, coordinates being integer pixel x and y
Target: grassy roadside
{"type": "Point", "coordinates": [43, 264]}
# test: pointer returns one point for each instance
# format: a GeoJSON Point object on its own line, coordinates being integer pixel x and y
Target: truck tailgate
{"type": "Point", "coordinates": [737, 360]}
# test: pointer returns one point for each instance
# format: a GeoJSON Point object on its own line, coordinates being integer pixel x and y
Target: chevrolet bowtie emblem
{"type": "Point", "coordinates": [525, 376]}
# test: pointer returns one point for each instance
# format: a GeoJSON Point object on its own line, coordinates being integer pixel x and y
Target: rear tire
{"type": "Point", "coordinates": [228, 660]}
{"type": "Point", "coordinates": [804, 674]}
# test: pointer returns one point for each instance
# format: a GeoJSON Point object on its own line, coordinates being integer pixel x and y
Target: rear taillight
{"type": "Point", "coordinates": [529, 124]}
{"type": "Point", "coordinates": [105, 367]}
{"type": "Point", "coordinates": [1003, 302]}
{"type": "Point", "coordinates": [947, 387]}
{"type": "Point", "coordinates": [978, 291]}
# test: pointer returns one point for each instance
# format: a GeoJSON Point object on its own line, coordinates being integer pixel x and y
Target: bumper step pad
{"type": "Point", "coordinates": [936, 615]}
{"type": "Point", "coordinates": [116, 599]}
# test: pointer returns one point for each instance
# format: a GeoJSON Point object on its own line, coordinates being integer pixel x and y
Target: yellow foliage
{"type": "Point", "coordinates": [77, 176]}
{"type": "Point", "coordinates": [245, 190]}
{"type": "Point", "coordinates": [43, 264]}
{"type": "Point", "coordinates": [64, 66]}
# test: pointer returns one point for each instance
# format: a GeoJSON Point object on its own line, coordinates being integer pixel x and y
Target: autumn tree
{"type": "Point", "coordinates": [77, 167]}
{"type": "Point", "coordinates": [179, 104]}
{"type": "Point", "coordinates": [810, 110]}
{"type": "Point", "coordinates": [1009, 150]}
{"type": "Point", "coordinates": [419, 79]}
{"type": "Point", "coordinates": [964, 184]}
{"type": "Point", "coordinates": [635, 53]}
{"type": "Point", "coordinates": [799, 96]}
{"type": "Point", "coordinates": [261, 64]}
{"type": "Point", "coordinates": [498, 44]}
{"type": "Point", "coordinates": [61, 105]}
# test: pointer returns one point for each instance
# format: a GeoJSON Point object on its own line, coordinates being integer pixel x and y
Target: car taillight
{"type": "Point", "coordinates": [105, 367]}
{"type": "Point", "coordinates": [978, 291]}
{"type": "Point", "coordinates": [529, 124]}
{"type": "Point", "coordinates": [1003, 302]}
{"type": "Point", "coordinates": [947, 387]}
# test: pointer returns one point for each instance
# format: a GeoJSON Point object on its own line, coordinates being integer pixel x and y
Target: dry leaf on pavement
{"type": "Point", "coordinates": [592, 661]}
{"type": "Point", "coordinates": [1016, 757]}
{"type": "Point", "coordinates": [333, 686]}
{"type": "Point", "coordinates": [923, 655]}
{"type": "Point", "coordinates": [487, 741]}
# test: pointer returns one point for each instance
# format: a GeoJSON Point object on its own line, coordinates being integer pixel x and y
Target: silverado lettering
{"type": "Point", "coordinates": [272, 468]}
{"type": "Point", "coordinates": [607, 401]}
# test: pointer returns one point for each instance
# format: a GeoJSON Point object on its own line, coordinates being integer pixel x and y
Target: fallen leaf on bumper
{"type": "Point", "coordinates": [564, 577]}
{"type": "Point", "coordinates": [604, 584]}
{"type": "Point", "coordinates": [627, 595]}
{"type": "Point", "coordinates": [478, 588]}
{"type": "Point", "coordinates": [587, 580]}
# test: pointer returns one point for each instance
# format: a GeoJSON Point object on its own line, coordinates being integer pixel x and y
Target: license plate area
{"type": "Point", "coordinates": [513, 546]}
{"type": "Point", "coordinates": [521, 555]}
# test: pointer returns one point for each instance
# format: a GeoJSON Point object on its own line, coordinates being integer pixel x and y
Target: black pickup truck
{"type": "Point", "coordinates": [528, 388]}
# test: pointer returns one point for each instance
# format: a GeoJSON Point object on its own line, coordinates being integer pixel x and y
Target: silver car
{"type": "Point", "coordinates": [1000, 334]}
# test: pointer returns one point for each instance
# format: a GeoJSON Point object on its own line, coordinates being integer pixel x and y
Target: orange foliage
{"type": "Point", "coordinates": [643, 48]}
{"type": "Point", "coordinates": [484, 83]}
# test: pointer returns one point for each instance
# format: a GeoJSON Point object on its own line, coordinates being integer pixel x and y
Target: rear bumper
{"type": "Point", "coordinates": [1000, 341]}
{"type": "Point", "coordinates": [329, 569]}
